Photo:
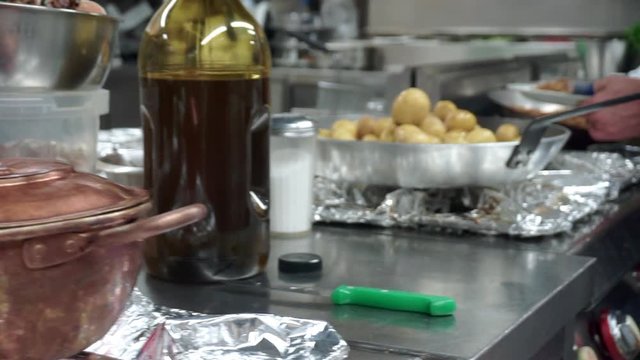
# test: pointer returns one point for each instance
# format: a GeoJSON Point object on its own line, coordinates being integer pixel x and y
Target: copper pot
{"type": "Point", "coordinates": [69, 255]}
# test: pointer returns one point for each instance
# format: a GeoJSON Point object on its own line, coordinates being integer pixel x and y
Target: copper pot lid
{"type": "Point", "coordinates": [42, 191]}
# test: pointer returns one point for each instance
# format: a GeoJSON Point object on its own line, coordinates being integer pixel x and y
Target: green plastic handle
{"type": "Point", "coordinates": [394, 300]}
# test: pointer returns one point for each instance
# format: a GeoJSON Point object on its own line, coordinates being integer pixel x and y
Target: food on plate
{"type": "Point", "coordinates": [461, 120]}
{"type": "Point", "coordinates": [432, 125]}
{"type": "Point", "coordinates": [460, 126]}
{"type": "Point", "coordinates": [480, 135]}
{"type": "Point", "coordinates": [80, 5]}
{"type": "Point", "coordinates": [562, 85]}
{"type": "Point", "coordinates": [455, 137]}
{"type": "Point", "coordinates": [410, 106]}
{"type": "Point", "coordinates": [507, 132]}
{"type": "Point", "coordinates": [59, 4]}
{"type": "Point", "coordinates": [578, 122]}
{"type": "Point", "coordinates": [443, 108]}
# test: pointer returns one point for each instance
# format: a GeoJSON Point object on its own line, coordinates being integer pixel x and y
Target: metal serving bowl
{"type": "Point", "coordinates": [53, 49]}
{"type": "Point", "coordinates": [434, 165]}
{"type": "Point", "coordinates": [517, 104]}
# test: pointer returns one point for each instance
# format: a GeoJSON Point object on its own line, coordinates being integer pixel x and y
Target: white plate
{"type": "Point", "coordinates": [556, 97]}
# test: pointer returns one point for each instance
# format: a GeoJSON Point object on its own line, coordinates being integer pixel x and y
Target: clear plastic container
{"type": "Point", "coordinates": [56, 125]}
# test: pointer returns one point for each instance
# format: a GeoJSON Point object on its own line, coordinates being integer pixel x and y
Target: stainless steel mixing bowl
{"type": "Point", "coordinates": [53, 49]}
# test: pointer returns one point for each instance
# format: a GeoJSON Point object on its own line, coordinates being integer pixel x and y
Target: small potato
{"type": "Point", "coordinates": [324, 133]}
{"type": "Point", "coordinates": [382, 124]}
{"type": "Point", "coordinates": [344, 125]}
{"type": "Point", "coordinates": [443, 108]}
{"type": "Point", "coordinates": [421, 138]}
{"type": "Point", "coordinates": [480, 135]}
{"type": "Point", "coordinates": [461, 120]}
{"type": "Point", "coordinates": [365, 126]}
{"type": "Point", "coordinates": [402, 132]}
{"type": "Point", "coordinates": [388, 135]}
{"type": "Point", "coordinates": [410, 106]}
{"type": "Point", "coordinates": [507, 132]}
{"type": "Point", "coordinates": [342, 134]}
{"type": "Point", "coordinates": [370, 137]}
{"type": "Point", "coordinates": [432, 125]}
{"type": "Point", "coordinates": [455, 137]}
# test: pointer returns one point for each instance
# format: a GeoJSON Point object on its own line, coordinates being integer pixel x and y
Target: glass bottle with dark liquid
{"type": "Point", "coordinates": [204, 69]}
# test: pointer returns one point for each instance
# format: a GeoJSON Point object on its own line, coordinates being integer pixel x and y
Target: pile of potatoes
{"type": "Point", "coordinates": [412, 121]}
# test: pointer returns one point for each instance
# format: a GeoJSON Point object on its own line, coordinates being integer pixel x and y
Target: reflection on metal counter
{"type": "Point", "coordinates": [509, 303]}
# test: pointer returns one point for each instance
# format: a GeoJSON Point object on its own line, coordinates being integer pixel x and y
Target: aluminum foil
{"type": "Point", "coordinates": [127, 138]}
{"type": "Point", "coordinates": [149, 332]}
{"type": "Point", "coordinates": [618, 170]}
{"type": "Point", "coordinates": [549, 203]}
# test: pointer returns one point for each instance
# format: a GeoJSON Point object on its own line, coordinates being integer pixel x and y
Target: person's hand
{"type": "Point", "coordinates": [620, 122]}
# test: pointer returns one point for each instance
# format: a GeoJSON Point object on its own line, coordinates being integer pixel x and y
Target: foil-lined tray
{"type": "Point", "coordinates": [145, 331]}
{"type": "Point", "coordinates": [575, 185]}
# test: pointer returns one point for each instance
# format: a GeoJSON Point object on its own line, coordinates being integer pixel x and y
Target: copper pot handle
{"type": "Point", "coordinates": [152, 226]}
{"type": "Point", "coordinates": [43, 252]}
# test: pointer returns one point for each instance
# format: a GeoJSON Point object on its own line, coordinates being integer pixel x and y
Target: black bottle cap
{"type": "Point", "coordinates": [299, 263]}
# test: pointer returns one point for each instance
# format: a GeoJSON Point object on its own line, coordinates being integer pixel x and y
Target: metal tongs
{"type": "Point", "coordinates": [534, 132]}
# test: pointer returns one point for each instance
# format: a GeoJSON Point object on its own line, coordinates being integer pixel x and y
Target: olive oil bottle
{"type": "Point", "coordinates": [204, 85]}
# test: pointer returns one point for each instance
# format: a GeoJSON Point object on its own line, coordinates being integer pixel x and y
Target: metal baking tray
{"type": "Point", "coordinates": [434, 165]}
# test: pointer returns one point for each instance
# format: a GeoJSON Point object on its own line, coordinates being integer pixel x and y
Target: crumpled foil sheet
{"type": "Point", "coordinates": [619, 171]}
{"type": "Point", "coordinates": [127, 138]}
{"type": "Point", "coordinates": [190, 336]}
{"type": "Point", "coordinates": [547, 204]}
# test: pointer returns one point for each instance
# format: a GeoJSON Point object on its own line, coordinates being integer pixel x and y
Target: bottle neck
{"type": "Point", "coordinates": [203, 36]}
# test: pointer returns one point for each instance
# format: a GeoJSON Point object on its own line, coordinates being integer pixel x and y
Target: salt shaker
{"type": "Point", "coordinates": [292, 147]}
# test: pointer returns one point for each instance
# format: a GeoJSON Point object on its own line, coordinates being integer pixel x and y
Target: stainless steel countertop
{"type": "Point", "coordinates": [611, 236]}
{"type": "Point", "coordinates": [510, 301]}
{"type": "Point", "coordinates": [514, 295]}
